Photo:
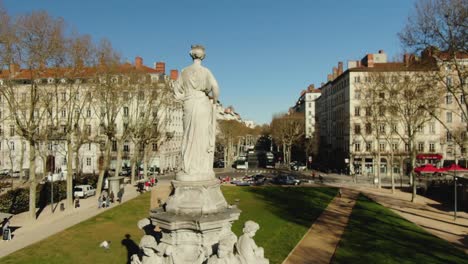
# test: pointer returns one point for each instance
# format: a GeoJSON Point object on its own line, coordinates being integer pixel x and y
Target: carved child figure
{"type": "Point", "coordinates": [225, 253]}
{"type": "Point", "coordinates": [249, 252]}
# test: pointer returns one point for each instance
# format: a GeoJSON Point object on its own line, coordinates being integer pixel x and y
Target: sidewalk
{"type": "Point", "coordinates": [424, 212]}
{"type": "Point", "coordinates": [319, 243]}
{"type": "Point", "coordinates": [49, 223]}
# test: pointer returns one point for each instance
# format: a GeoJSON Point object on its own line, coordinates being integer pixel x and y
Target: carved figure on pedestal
{"type": "Point", "coordinates": [249, 252]}
{"type": "Point", "coordinates": [225, 253]}
{"type": "Point", "coordinates": [192, 88]}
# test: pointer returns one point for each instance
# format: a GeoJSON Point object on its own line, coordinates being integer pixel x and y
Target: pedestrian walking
{"type": "Point", "coordinates": [111, 197]}
{"type": "Point", "coordinates": [120, 195]}
{"type": "Point", "coordinates": [6, 231]}
{"type": "Point", "coordinates": [77, 201]}
{"type": "Point", "coordinates": [100, 201]}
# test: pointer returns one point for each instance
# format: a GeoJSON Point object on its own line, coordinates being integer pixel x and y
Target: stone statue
{"type": "Point", "coordinates": [225, 253]}
{"type": "Point", "coordinates": [193, 88]}
{"type": "Point", "coordinates": [249, 252]}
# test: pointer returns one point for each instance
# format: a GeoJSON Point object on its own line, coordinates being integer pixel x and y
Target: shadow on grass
{"type": "Point", "coordinates": [131, 246]}
{"type": "Point", "coordinates": [300, 205]}
{"type": "Point", "coordinates": [376, 235]}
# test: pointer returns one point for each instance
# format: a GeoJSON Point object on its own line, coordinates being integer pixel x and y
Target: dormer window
{"type": "Point", "coordinates": [50, 80]}
{"type": "Point", "coordinates": [63, 80]}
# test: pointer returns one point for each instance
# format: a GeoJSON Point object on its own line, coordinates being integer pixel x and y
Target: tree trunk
{"type": "Point", "coordinates": [104, 168]}
{"type": "Point", "coordinates": [21, 170]}
{"type": "Point", "coordinates": [379, 178]}
{"type": "Point", "coordinates": [413, 176]}
{"type": "Point", "coordinates": [133, 168]}
{"type": "Point", "coordinates": [32, 180]}
{"type": "Point", "coordinates": [145, 164]}
{"type": "Point", "coordinates": [76, 155]}
{"type": "Point", "coordinates": [391, 173]}
{"type": "Point", "coordinates": [118, 165]}
{"type": "Point", "coordinates": [69, 203]}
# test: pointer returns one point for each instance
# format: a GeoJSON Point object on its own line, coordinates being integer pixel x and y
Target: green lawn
{"type": "Point", "coordinates": [284, 215]}
{"type": "Point", "coordinates": [377, 235]}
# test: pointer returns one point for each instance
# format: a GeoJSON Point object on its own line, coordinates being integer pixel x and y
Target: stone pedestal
{"type": "Point", "coordinates": [192, 238]}
{"type": "Point", "coordinates": [197, 197]}
{"type": "Point", "coordinates": [114, 184]}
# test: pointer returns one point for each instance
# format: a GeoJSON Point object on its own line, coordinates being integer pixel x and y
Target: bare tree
{"type": "Point", "coordinates": [438, 29]}
{"type": "Point", "coordinates": [409, 95]}
{"type": "Point", "coordinates": [229, 132]}
{"type": "Point", "coordinates": [32, 41]}
{"type": "Point", "coordinates": [287, 129]}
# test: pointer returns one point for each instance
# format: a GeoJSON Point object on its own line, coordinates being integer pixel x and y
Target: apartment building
{"type": "Point", "coordinates": [306, 105]}
{"type": "Point", "coordinates": [130, 105]}
{"type": "Point", "coordinates": [348, 141]}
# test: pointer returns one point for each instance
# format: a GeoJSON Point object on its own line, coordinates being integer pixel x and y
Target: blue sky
{"type": "Point", "coordinates": [262, 52]}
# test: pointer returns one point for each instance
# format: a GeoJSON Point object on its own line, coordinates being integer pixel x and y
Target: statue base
{"type": "Point", "coordinates": [191, 239]}
{"type": "Point", "coordinates": [196, 198]}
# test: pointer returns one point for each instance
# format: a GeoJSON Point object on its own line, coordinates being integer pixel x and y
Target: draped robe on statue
{"type": "Point", "coordinates": [192, 88]}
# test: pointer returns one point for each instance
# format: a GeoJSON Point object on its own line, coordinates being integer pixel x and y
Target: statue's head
{"type": "Point", "coordinates": [250, 227]}
{"type": "Point", "coordinates": [197, 52]}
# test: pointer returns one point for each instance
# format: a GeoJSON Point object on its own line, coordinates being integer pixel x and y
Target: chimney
{"type": "Point", "coordinates": [370, 60]}
{"type": "Point", "coordinates": [329, 77]}
{"type": "Point", "coordinates": [138, 62]}
{"type": "Point", "coordinates": [311, 88]}
{"type": "Point", "coordinates": [340, 68]}
{"type": "Point", "coordinates": [174, 74]}
{"type": "Point", "coordinates": [160, 67]}
{"type": "Point", "coordinates": [406, 59]}
{"type": "Point", "coordinates": [381, 51]}
{"type": "Point", "coordinates": [335, 73]}
{"type": "Point", "coordinates": [14, 68]}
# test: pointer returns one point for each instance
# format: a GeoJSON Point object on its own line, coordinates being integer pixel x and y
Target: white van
{"type": "Point", "coordinates": [84, 191]}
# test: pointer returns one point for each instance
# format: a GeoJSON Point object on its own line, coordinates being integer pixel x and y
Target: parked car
{"type": "Point", "coordinates": [5, 172]}
{"type": "Point", "coordinates": [286, 180]}
{"type": "Point", "coordinates": [242, 165]}
{"type": "Point", "coordinates": [259, 179]}
{"type": "Point", "coordinates": [15, 174]}
{"type": "Point", "coordinates": [84, 191]}
{"type": "Point", "coordinates": [218, 164]}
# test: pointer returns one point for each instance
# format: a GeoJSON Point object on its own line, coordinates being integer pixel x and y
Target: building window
{"type": "Point", "coordinates": [449, 117]}
{"type": "Point", "coordinates": [357, 95]}
{"type": "Point", "coordinates": [357, 111]}
{"type": "Point", "coordinates": [357, 79]}
{"type": "Point", "coordinates": [421, 146]}
{"type": "Point", "coordinates": [126, 147]}
{"type": "Point", "coordinates": [88, 129]}
{"type": "Point", "coordinates": [382, 128]}
{"type": "Point", "coordinates": [394, 146]}
{"type": "Point", "coordinates": [368, 128]}
{"type": "Point", "coordinates": [155, 147]}
{"type": "Point", "coordinates": [357, 129]}
{"type": "Point", "coordinates": [406, 147]}
{"type": "Point", "coordinates": [382, 146]}
{"type": "Point", "coordinates": [12, 145]}
{"type": "Point", "coordinates": [125, 111]}
{"type": "Point", "coordinates": [431, 147]}
{"type": "Point", "coordinates": [448, 99]}
{"type": "Point", "coordinates": [114, 145]}
{"type": "Point", "coordinates": [368, 147]}
{"type": "Point", "coordinates": [368, 111]}
{"type": "Point", "coordinates": [449, 136]}
{"type": "Point", "coordinates": [88, 162]}
{"type": "Point", "coordinates": [357, 147]}
{"type": "Point", "coordinates": [89, 146]}
{"type": "Point", "coordinates": [64, 113]}
{"type": "Point", "coordinates": [88, 112]}
{"type": "Point", "coordinates": [382, 95]}
{"type": "Point", "coordinates": [432, 129]}
{"type": "Point", "coordinates": [12, 130]}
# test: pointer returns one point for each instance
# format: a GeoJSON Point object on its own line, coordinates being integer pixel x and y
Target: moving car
{"type": "Point", "coordinates": [286, 180]}
{"type": "Point", "coordinates": [84, 191]}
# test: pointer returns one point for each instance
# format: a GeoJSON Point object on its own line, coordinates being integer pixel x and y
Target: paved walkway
{"type": "Point", "coordinates": [319, 243]}
{"type": "Point", "coordinates": [49, 223]}
{"type": "Point", "coordinates": [426, 213]}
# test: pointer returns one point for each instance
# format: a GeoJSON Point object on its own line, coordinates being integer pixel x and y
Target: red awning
{"type": "Point", "coordinates": [429, 156]}
{"type": "Point", "coordinates": [454, 167]}
{"type": "Point", "coordinates": [426, 168]}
